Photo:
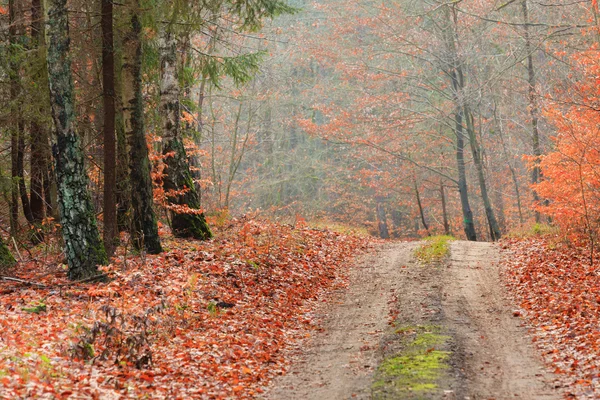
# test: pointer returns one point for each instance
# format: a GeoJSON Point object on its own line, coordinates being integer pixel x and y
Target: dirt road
{"type": "Point", "coordinates": [491, 356]}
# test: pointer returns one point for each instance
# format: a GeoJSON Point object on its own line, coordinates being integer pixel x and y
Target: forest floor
{"type": "Point", "coordinates": [405, 329]}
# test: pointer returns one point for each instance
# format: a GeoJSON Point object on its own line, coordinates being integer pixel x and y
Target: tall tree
{"type": "Point", "coordinates": [83, 248]}
{"type": "Point", "coordinates": [144, 226]}
{"type": "Point", "coordinates": [40, 168]}
{"type": "Point", "coordinates": [187, 220]}
{"type": "Point", "coordinates": [15, 110]}
{"type": "Point", "coordinates": [108, 86]}
{"type": "Point", "coordinates": [533, 106]}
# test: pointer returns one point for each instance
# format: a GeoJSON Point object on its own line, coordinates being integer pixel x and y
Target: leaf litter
{"type": "Point", "coordinates": [201, 320]}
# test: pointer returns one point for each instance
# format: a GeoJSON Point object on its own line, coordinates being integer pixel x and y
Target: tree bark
{"type": "Point", "coordinates": [178, 176]}
{"type": "Point", "coordinates": [83, 248]}
{"type": "Point", "coordinates": [108, 86]}
{"type": "Point", "coordinates": [144, 226]}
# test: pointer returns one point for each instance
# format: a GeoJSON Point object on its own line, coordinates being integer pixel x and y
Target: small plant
{"type": "Point", "coordinates": [212, 308]}
{"type": "Point", "coordinates": [253, 264]}
{"type": "Point", "coordinates": [126, 338]}
{"type": "Point", "coordinates": [435, 249]}
{"type": "Point", "coordinates": [36, 307]}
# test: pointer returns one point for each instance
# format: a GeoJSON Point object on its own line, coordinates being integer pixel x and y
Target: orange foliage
{"type": "Point", "coordinates": [572, 171]}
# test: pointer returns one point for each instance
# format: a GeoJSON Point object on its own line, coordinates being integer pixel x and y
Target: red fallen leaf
{"type": "Point", "coordinates": [147, 377]}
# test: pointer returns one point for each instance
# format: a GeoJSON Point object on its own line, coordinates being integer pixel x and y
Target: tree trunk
{"type": "Point", "coordinates": [178, 177]}
{"type": "Point", "coordinates": [420, 205]}
{"type": "Point", "coordinates": [457, 83]}
{"type": "Point", "coordinates": [513, 173]}
{"type": "Point", "coordinates": [108, 86]}
{"type": "Point", "coordinates": [444, 209]}
{"type": "Point", "coordinates": [40, 148]}
{"type": "Point", "coordinates": [15, 111]}
{"type": "Point", "coordinates": [83, 248]}
{"type": "Point", "coordinates": [533, 108]}
{"type": "Point", "coordinates": [469, 225]}
{"type": "Point", "coordinates": [123, 195]}
{"type": "Point", "coordinates": [21, 173]}
{"type": "Point", "coordinates": [382, 219]}
{"type": "Point", "coordinates": [144, 227]}
{"type": "Point", "coordinates": [495, 233]}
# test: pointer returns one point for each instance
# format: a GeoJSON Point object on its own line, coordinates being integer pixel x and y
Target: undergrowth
{"type": "Point", "coordinates": [535, 230]}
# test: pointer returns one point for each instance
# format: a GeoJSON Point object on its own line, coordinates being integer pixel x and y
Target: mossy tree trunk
{"type": "Point", "coordinates": [83, 248]}
{"type": "Point", "coordinates": [178, 176]}
{"type": "Point", "coordinates": [144, 227]}
{"type": "Point", "coordinates": [6, 258]}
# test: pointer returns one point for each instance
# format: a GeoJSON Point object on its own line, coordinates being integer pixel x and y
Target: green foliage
{"type": "Point", "coordinates": [434, 249]}
{"type": "Point", "coordinates": [240, 68]}
{"type": "Point", "coordinates": [252, 13]}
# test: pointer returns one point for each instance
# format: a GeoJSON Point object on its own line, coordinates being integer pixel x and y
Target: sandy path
{"type": "Point", "coordinates": [493, 358]}
{"type": "Point", "coordinates": [499, 360]}
{"type": "Point", "coordinates": [341, 360]}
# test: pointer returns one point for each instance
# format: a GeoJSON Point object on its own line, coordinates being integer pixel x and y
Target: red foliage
{"type": "Point", "coordinates": [214, 316]}
{"type": "Point", "coordinates": [560, 295]}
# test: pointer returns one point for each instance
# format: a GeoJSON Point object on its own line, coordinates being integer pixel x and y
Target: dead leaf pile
{"type": "Point", "coordinates": [202, 320]}
{"type": "Point", "coordinates": [559, 293]}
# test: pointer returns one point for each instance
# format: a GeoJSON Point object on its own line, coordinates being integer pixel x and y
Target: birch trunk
{"type": "Point", "coordinates": [83, 248]}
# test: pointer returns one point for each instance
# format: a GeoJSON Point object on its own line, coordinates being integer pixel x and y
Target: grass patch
{"type": "Point", "coordinates": [434, 249]}
{"type": "Point", "coordinates": [534, 230]}
{"type": "Point", "coordinates": [416, 370]}
{"type": "Point", "coordinates": [340, 228]}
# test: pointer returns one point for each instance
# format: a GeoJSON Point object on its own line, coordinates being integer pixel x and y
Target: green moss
{"type": "Point", "coordinates": [417, 369]}
{"type": "Point", "coordinates": [434, 249]}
